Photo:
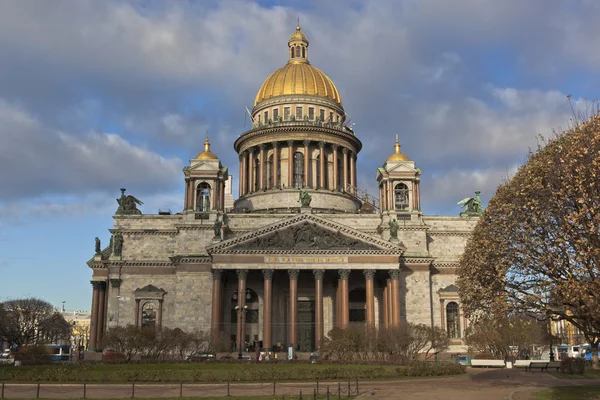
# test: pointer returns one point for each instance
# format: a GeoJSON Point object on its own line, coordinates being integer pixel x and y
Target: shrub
{"type": "Point", "coordinates": [572, 365]}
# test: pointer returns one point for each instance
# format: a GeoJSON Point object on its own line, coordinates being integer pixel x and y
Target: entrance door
{"type": "Point", "coordinates": [306, 325]}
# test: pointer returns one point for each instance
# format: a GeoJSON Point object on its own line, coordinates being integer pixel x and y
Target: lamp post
{"type": "Point", "coordinates": [241, 312]}
{"type": "Point", "coordinates": [550, 338]}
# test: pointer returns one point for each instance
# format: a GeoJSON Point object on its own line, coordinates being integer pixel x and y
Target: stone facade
{"type": "Point", "coordinates": [270, 270]}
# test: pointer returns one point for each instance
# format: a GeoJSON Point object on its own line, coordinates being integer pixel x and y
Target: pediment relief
{"type": "Point", "coordinates": [306, 234]}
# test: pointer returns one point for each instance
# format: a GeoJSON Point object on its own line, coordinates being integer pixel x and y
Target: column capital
{"type": "Point", "coordinates": [345, 150]}
{"type": "Point", "coordinates": [244, 153]}
{"type": "Point", "coordinates": [268, 274]}
{"type": "Point", "coordinates": [290, 143]}
{"type": "Point", "coordinates": [216, 274]}
{"type": "Point", "coordinates": [369, 274]}
{"type": "Point", "coordinates": [115, 282]}
{"type": "Point", "coordinates": [321, 144]}
{"type": "Point", "coordinates": [275, 144]}
{"type": "Point", "coordinates": [318, 273]}
{"type": "Point", "coordinates": [242, 273]}
{"type": "Point", "coordinates": [98, 285]}
{"type": "Point", "coordinates": [352, 154]}
{"type": "Point", "coordinates": [394, 274]}
{"type": "Point", "coordinates": [241, 157]}
{"type": "Point", "coordinates": [344, 274]}
{"type": "Point", "coordinates": [251, 150]}
{"type": "Point", "coordinates": [293, 273]}
{"type": "Point", "coordinates": [335, 147]}
{"type": "Point", "coordinates": [262, 146]}
{"type": "Point", "coordinates": [306, 142]}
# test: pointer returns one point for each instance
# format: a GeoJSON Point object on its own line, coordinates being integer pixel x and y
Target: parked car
{"type": "Point", "coordinates": [463, 360]}
{"type": "Point", "coordinates": [246, 358]}
{"type": "Point", "coordinates": [226, 358]}
{"type": "Point", "coordinates": [204, 356]}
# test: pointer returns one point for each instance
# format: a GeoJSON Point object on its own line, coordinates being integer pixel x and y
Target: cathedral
{"type": "Point", "coordinates": [300, 251]}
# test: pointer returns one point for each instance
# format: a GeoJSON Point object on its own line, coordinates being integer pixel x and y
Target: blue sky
{"type": "Point", "coordinates": [95, 96]}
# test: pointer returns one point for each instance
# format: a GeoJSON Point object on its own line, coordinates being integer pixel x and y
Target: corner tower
{"type": "Point", "coordinates": [298, 141]}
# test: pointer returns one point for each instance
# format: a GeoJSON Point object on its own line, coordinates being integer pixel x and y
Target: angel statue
{"type": "Point", "coordinates": [305, 198]}
{"type": "Point", "coordinates": [472, 206]}
{"type": "Point", "coordinates": [128, 205]}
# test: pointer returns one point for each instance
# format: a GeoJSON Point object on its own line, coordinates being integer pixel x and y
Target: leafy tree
{"type": "Point", "coordinates": [536, 249]}
{"type": "Point", "coordinates": [31, 321]}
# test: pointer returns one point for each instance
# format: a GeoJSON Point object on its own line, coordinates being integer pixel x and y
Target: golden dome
{"type": "Point", "coordinates": [206, 154]}
{"type": "Point", "coordinates": [298, 76]}
{"type": "Point", "coordinates": [398, 155]}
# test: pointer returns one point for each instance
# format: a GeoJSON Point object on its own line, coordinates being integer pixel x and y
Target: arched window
{"type": "Point", "coordinates": [256, 173]}
{"type": "Point", "coordinates": [297, 51]}
{"type": "Point", "coordinates": [291, 52]}
{"type": "Point", "coordinates": [453, 320]}
{"type": "Point", "coordinates": [203, 197]}
{"type": "Point", "coordinates": [298, 170]}
{"type": "Point", "coordinates": [401, 196]}
{"type": "Point", "coordinates": [303, 52]}
{"type": "Point", "coordinates": [148, 315]}
{"type": "Point", "coordinates": [358, 305]}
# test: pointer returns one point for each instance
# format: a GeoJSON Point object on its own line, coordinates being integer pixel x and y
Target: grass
{"type": "Point", "coordinates": [278, 397]}
{"type": "Point", "coordinates": [218, 372]}
{"type": "Point", "coordinates": [588, 374]}
{"type": "Point", "coordinates": [568, 393]}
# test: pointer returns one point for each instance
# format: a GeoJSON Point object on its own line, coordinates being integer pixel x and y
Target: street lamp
{"type": "Point", "coordinates": [241, 321]}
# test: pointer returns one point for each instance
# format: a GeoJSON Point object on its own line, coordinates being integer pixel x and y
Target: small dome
{"type": "Point", "coordinates": [398, 155]}
{"type": "Point", "coordinates": [298, 35]}
{"type": "Point", "coordinates": [206, 154]}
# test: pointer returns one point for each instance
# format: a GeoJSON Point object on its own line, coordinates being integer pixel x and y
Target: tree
{"type": "Point", "coordinates": [536, 249]}
{"type": "Point", "coordinates": [31, 321]}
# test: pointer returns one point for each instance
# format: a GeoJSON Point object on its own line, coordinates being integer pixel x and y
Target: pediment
{"type": "Point", "coordinates": [401, 168]}
{"type": "Point", "coordinates": [306, 234]}
{"type": "Point", "coordinates": [205, 165]}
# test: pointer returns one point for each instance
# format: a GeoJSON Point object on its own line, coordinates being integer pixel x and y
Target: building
{"type": "Point", "coordinates": [302, 250]}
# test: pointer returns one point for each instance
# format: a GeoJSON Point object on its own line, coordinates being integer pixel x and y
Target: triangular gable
{"type": "Point", "coordinates": [400, 168]}
{"type": "Point", "coordinates": [305, 233]}
{"type": "Point", "coordinates": [209, 165]}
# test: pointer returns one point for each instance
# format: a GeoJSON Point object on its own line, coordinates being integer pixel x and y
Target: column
{"type": "Point", "coordinates": [390, 308]}
{"type": "Point", "coordinates": [384, 195]}
{"type": "Point", "coordinates": [384, 310]}
{"type": "Point", "coordinates": [345, 306]}
{"type": "Point", "coordinates": [391, 197]}
{"type": "Point", "coordinates": [94, 316]}
{"type": "Point", "coordinates": [222, 195]}
{"type": "Point", "coordinates": [370, 293]}
{"type": "Point", "coordinates": [215, 315]}
{"type": "Point", "coordinates": [186, 198]}
{"type": "Point", "coordinates": [395, 277]}
{"type": "Point", "coordinates": [275, 172]}
{"type": "Point", "coordinates": [293, 332]}
{"type": "Point", "coordinates": [345, 161]}
{"type": "Point", "coordinates": [240, 176]}
{"type": "Point", "coordinates": [338, 308]}
{"type": "Point", "coordinates": [159, 314]}
{"type": "Point", "coordinates": [322, 165]}
{"type": "Point", "coordinates": [191, 194]}
{"type": "Point", "coordinates": [443, 318]}
{"type": "Point", "coordinates": [381, 198]}
{"type": "Point", "coordinates": [306, 163]}
{"type": "Point", "coordinates": [137, 313]}
{"type": "Point", "coordinates": [241, 316]}
{"type": "Point", "coordinates": [267, 308]}
{"type": "Point", "coordinates": [244, 173]}
{"type": "Point", "coordinates": [251, 173]}
{"type": "Point", "coordinates": [261, 168]}
{"type": "Point", "coordinates": [352, 169]}
{"type": "Point", "coordinates": [335, 167]}
{"type": "Point", "coordinates": [290, 164]}
{"type": "Point", "coordinates": [319, 333]}
{"type": "Point", "coordinates": [101, 314]}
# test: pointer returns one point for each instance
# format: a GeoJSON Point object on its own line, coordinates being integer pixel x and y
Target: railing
{"type": "Point", "coordinates": [330, 125]}
{"type": "Point", "coordinates": [363, 196]}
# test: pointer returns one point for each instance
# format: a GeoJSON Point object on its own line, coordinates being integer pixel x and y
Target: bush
{"type": "Point", "coordinates": [31, 355]}
{"type": "Point", "coordinates": [572, 365]}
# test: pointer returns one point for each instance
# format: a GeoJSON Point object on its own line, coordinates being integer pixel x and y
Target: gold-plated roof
{"type": "Point", "coordinates": [298, 76]}
{"type": "Point", "coordinates": [206, 154]}
{"type": "Point", "coordinates": [398, 155]}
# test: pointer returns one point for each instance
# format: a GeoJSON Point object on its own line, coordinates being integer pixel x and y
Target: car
{"type": "Point", "coordinates": [226, 358]}
{"type": "Point", "coordinates": [313, 358]}
{"type": "Point", "coordinates": [246, 358]}
{"type": "Point", "coordinates": [463, 360]}
{"type": "Point", "coordinates": [203, 356]}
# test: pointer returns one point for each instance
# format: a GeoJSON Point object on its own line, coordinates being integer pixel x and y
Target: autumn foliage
{"type": "Point", "coordinates": [536, 249]}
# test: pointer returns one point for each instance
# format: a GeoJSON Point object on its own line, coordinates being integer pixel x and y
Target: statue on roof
{"type": "Point", "coordinates": [393, 224]}
{"type": "Point", "coordinates": [128, 205]}
{"type": "Point", "coordinates": [305, 199]}
{"type": "Point", "coordinates": [98, 250]}
{"type": "Point", "coordinates": [472, 206]}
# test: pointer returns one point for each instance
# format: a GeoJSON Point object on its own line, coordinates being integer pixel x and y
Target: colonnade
{"type": "Point", "coordinates": [391, 303]}
{"type": "Point", "coordinates": [252, 180]}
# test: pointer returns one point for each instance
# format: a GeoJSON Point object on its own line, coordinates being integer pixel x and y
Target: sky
{"type": "Point", "coordinates": [100, 95]}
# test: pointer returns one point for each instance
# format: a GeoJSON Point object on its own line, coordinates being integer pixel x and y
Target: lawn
{"type": "Point", "coordinates": [588, 374]}
{"type": "Point", "coordinates": [218, 372]}
{"type": "Point", "coordinates": [569, 393]}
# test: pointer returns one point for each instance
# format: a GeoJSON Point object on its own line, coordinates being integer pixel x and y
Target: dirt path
{"type": "Point", "coordinates": [476, 385]}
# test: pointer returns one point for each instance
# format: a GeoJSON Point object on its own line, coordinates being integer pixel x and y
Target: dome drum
{"type": "Point", "coordinates": [287, 199]}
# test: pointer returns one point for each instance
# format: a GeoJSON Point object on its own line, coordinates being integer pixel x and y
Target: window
{"type": "Point", "coordinates": [148, 315]}
{"type": "Point", "coordinates": [322, 115]}
{"type": "Point", "coordinates": [203, 197]}
{"type": "Point", "coordinates": [337, 118]}
{"type": "Point", "coordinates": [311, 113]}
{"type": "Point", "coordinates": [452, 320]}
{"type": "Point", "coordinates": [266, 116]}
{"type": "Point", "coordinates": [298, 113]}
{"type": "Point", "coordinates": [298, 170]}
{"type": "Point", "coordinates": [286, 113]}
{"type": "Point", "coordinates": [330, 116]}
{"type": "Point", "coordinates": [275, 114]}
{"type": "Point", "coordinates": [401, 196]}
{"type": "Point", "coordinates": [297, 51]}
{"type": "Point", "coordinates": [303, 52]}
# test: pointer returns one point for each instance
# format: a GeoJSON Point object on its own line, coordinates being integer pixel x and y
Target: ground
{"type": "Point", "coordinates": [478, 384]}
